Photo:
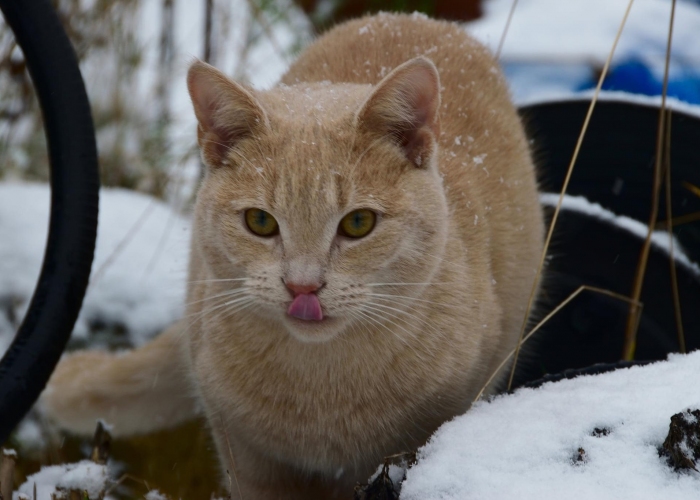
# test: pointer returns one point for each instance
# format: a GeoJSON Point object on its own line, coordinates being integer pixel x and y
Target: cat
{"type": "Point", "coordinates": [364, 245]}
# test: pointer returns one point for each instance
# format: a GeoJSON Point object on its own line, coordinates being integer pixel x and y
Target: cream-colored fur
{"type": "Point", "coordinates": [417, 314]}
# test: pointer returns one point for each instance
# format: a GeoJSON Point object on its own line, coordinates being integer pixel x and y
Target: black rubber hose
{"type": "Point", "coordinates": [37, 347]}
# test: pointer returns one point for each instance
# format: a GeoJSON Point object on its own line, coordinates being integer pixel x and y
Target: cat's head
{"type": "Point", "coordinates": [322, 203]}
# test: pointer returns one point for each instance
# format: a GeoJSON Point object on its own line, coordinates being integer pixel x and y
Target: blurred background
{"type": "Point", "coordinates": [134, 55]}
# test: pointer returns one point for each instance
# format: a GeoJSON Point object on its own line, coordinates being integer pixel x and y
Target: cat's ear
{"type": "Point", "coordinates": [404, 106]}
{"type": "Point", "coordinates": [225, 110]}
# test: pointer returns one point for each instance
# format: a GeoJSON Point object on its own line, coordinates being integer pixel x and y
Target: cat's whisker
{"type": "Point", "coordinates": [229, 307]}
{"type": "Point", "coordinates": [404, 297]}
{"type": "Point", "coordinates": [419, 317]}
{"type": "Point", "coordinates": [262, 171]}
{"type": "Point", "coordinates": [229, 293]}
{"type": "Point", "coordinates": [381, 316]}
{"type": "Point", "coordinates": [452, 263]}
{"type": "Point", "coordinates": [219, 301]}
{"type": "Point", "coordinates": [217, 280]}
{"type": "Point", "coordinates": [373, 319]}
{"type": "Point", "coordinates": [209, 310]}
{"type": "Point", "coordinates": [225, 314]}
{"type": "Point", "coordinates": [198, 315]}
{"type": "Point", "coordinates": [409, 284]}
{"type": "Point", "coordinates": [374, 143]}
{"type": "Point", "coordinates": [384, 309]}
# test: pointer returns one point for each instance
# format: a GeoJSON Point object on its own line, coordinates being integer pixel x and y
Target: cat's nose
{"type": "Point", "coordinates": [298, 288]}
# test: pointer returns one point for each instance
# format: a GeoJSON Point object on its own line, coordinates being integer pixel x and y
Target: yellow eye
{"type": "Point", "coordinates": [357, 223]}
{"type": "Point", "coordinates": [261, 222]}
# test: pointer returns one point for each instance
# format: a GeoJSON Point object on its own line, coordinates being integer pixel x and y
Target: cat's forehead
{"type": "Point", "coordinates": [320, 104]}
{"type": "Point", "coordinates": [306, 162]}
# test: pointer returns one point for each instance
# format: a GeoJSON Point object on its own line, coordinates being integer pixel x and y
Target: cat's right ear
{"type": "Point", "coordinates": [225, 110]}
{"type": "Point", "coordinates": [404, 106]}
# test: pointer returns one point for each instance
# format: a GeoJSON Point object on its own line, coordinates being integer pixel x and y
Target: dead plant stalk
{"type": "Point", "coordinates": [570, 170]}
{"type": "Point", "coordinates": [630, 344]}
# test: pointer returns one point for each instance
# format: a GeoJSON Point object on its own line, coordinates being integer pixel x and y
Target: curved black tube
{"type": "Point", "coordinates": [37, 347]}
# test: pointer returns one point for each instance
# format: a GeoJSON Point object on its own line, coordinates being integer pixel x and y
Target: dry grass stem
{"type": "Point", "coordinates": [544, 320]}
{"type": "Point", "coordinates": [505, 29]}
{"type": "Point", "coordinates": [260, 17]}
{"type": "Point", "coordinates": [669, 229]}
{"type": "Point", "coordinates": [630, 344]}
{"type": "Point", "coordinates": [233, 464]}
{"type": "Point", "coordinates": [125, 477]}
{"type": "Point", "coordinates": [123, 242]}
{"type": "Point", "coordinates": [7, 474]}
{"type": "Point", "coordinates": [563, 190]}
{"type": "Point", "coordinates": [101, 443]}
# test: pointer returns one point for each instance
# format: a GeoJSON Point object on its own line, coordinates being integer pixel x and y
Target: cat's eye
{"type": "Point", "coordinates": [261, 222]}
{"type": "Point", "coordinates": [357, 223]}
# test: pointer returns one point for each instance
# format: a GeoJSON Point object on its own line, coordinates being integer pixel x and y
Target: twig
{"type": "Point", "coordinates": [505, 30]}
{"type": "Point", "coordinates": [123, 242]}
{"type": "Point", "coordinates": [257, 12]}
{"type": "Point", "coordinates": [7, 473]}
{"type": "Point", "coordinates": [544, 320]}
{"type": "Point", "coordinates": [123, 478]}
{"type": "Point", "coordinates": [563, 189]}
{"type": "Point", "coordinates": [630, 344]}
{"type": "Point", "coordinates": [233, 464]}
{"type": "Point", "coordinates": [208, 31]}
{"type": "Point", "coordinates": [101, 444]}
{"type": "Point", "coordinates": [671, 242]}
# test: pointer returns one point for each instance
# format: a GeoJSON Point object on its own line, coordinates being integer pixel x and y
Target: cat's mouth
{"type": "Point", "coordinates": [306, 306]}
{"type": "Point", "coordinates": [307, 322]}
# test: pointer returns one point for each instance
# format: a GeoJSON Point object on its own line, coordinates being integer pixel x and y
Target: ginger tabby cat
{"type": "Point", "coordinates": [364, 244]}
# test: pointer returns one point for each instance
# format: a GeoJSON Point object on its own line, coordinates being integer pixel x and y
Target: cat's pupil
{"type": "Point", "coordinates": [357, 220]}
{"type": "Point", "coordinates": [262, 218]}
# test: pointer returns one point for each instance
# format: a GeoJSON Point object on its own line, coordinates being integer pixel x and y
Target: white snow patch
{"type": "Point", "coordinates": [584, 30]}
{"type": "Point", "coordinates": [155, 495]}
{"type": "Point", "coordinates": [138, 275]}
{"type": "Point", "coordinates": [84, 475]}
{"type": "Point", "coordinates": [523, 445]}
{"type": "Point", "coordinates": [614, 96]}
{"type": "Point", "coordinates": [659, 239]}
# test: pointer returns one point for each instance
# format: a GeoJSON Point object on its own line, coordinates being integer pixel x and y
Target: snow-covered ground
{"type": "Point", "coordinates": [526, 445]}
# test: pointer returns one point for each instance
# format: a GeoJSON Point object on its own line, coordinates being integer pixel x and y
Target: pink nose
{"type": "Point", "coordinates": [302, 288]}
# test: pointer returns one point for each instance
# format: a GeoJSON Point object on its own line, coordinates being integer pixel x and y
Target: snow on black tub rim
{"type": "Point", "coordinates": [40, 340]}
{"type": "Point", "coordinates": [616, 161]}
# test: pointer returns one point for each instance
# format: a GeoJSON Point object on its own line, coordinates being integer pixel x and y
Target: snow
{"type": "Point", "coordinates": [553, 46]}
{"type": "Point", "coordinates": [525, 445]}
{"type": "Point", "coordinates": [659, 238]}
{"type": "Point", "coordinates": [84, 476]}
{"type": "Point", "coordinates": [608, 95]}
{"type": "Point", "coordinates": [584, 30]}
{"type": "Point", "coordinates": [138, 277]}
{"type": "Point", "coordinates": [155, 495]}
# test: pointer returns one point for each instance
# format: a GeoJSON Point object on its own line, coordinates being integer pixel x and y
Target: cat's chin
{"type": "Point", "coordinates": [313, 332]}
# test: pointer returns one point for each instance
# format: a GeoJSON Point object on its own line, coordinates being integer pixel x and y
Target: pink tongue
{"type": "Point", "coordinates": [306, 306]}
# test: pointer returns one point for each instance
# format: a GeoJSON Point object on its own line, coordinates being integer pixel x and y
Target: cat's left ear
{"type": "Point", "coordinates": [404, 106]}
{"type": "Point", "coordinates": [226, 111]}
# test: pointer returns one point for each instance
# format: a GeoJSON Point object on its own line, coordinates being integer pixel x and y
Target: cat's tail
{"type": "Point", "coordinates": [135, 392]}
